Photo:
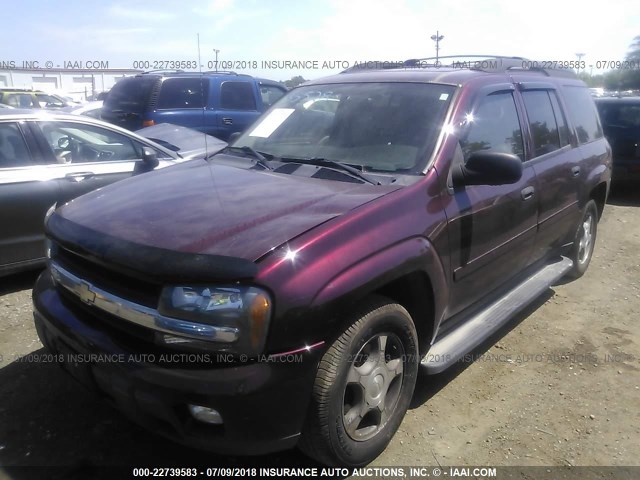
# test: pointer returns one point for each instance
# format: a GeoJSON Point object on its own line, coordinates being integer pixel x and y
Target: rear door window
{"type": "Point", "coordinates": [494, 126]}
{"type": "Point", "coordinates": [542, 121]}
{"type": "Point", "coordinates": [237, 96]}
{"type": "Point", "coordinates": [583, 114]}
{"type": "Point", "coordinates": [20, 100]}
{"type": "Point", "coordinates": [131, 95]}
{"type": "Point", "coordinates": [13, 147]}
{"type": "Point", "coordinates": [178, 93]}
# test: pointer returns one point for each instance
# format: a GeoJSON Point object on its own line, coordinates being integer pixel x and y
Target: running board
{"type": "Point", "coordinates": [453, 346]}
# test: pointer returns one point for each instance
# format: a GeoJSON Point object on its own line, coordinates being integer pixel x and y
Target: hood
{"type": "Point", "coordinates": [187, 142]}
{"type": "Point", "coordinates": [201, 208]}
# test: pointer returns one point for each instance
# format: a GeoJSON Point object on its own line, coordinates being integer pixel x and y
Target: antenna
{"type": "Point", "coordinates": [206, 148]}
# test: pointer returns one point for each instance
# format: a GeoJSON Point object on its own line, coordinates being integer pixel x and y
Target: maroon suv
{"type": "Point", "coordinates": [287, 290]}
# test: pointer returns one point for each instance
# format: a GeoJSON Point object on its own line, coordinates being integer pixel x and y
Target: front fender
{"type": "Point", "coordinates": [409, 256]}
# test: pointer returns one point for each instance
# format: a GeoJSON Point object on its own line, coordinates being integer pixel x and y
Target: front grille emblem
{"type": "Point", "coordinates": [86, 294]}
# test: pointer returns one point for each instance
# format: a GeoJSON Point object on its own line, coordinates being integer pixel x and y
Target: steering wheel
{"type": "Point", "coordinates": [76, 151]}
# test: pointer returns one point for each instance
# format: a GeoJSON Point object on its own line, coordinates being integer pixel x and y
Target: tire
{"type": "Point", "coordinates": [360, 396]}
{"type": "Point", "coordinates": [584, 240]}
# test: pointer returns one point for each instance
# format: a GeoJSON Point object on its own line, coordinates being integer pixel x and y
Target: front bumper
{"type": "Point", "coordinates": [263, 404]}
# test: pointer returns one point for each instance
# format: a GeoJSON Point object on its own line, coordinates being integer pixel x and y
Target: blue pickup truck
{"type": "Point", "coordinates": [216, 103]}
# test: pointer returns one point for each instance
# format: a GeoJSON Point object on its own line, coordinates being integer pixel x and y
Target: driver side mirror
{"type": "Point", "coordinates": [486, 167]}
{"type": "Point", "coordinates": [148, 163]}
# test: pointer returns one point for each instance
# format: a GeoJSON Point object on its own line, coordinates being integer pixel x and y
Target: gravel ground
{"type": "Point", "coordinates": [559, 387]}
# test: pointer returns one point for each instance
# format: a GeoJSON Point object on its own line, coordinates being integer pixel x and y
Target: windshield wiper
{"type": "Point", "coordinates": [323, 162]}
{"type": "Point", "coordinates": [260, 157]}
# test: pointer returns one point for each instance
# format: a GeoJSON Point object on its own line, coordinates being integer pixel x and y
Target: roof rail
{"type": "Point", "coordinates": [224, 72]}
{"type": "Point", "coordinates": [472, 62]}
{"type": "Point", "coordinates": [161, 70]}
{"type": "Point", "coordinates": [190, 72]}
{"type": "Point", "coordinates": [483, 63]}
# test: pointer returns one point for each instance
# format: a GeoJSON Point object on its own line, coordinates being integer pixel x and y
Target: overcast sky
{"type": "Point", "coordinates": [122, 32]}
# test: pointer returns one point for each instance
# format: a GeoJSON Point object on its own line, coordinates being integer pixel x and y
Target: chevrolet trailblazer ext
{"type": "Point", "coordinates": [369, 224]}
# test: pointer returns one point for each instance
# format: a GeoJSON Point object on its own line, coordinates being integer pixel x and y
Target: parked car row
{"type": "Point", "coordinates": [368, 223]}
{"type": "Point", "coordinates": [216, 103]}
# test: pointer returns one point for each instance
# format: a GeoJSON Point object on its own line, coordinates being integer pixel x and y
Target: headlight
{"type": "Point", "coordinates": [241, 309]}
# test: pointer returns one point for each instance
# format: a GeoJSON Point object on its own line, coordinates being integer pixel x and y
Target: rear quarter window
{"type": "Point", "coordinates": [131, 94]}
{"type": "Point", "coordinates": [582, 113]}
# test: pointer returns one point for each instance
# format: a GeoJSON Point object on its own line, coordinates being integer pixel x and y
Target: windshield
{"type": "Point", "coordinates": [383, 127]}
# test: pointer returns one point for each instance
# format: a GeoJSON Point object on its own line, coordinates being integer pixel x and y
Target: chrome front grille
{"type": "Point", "coordinates": [142, 315]}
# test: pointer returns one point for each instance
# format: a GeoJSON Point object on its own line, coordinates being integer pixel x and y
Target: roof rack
{"type": "Point", "coordinates": [191, 72]}
{"type": "Point", "coordinates": [224, 72]}
{"type": "Point", "coordinates": [483, 63]}
{"type": "Point", "coordinates": [161, 70]}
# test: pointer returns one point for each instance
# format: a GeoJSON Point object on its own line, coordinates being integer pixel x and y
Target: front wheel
{"type": "Point", "coordinates": [363, 387]}
{"type": "Point", "coordinates": [584, 241]}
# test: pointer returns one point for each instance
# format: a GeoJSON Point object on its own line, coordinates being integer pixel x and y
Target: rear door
{"type": "Point", "coordinates": [27, 189]}
{"type": "Point", "coordinates": [182, 101]}
{"type": "Point", "coordinates": [238, 107]}
{"type": "Point", "coordinates": [492, 229]}
{"type": "Point", "coordinates": [556, 162]}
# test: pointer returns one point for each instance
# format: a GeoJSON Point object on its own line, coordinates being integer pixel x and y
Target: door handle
{"type": "Point", "coordinates": [527, 193]}
{"type": "Point", "coordinates": [575, 171]}
{"type": "Point", "coordinates": [78, 177]}
{"type": "Point", "coordinates": [227, 121]}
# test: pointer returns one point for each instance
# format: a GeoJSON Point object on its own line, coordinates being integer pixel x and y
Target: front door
{"type": "Point", "coordinates": [492, 229]}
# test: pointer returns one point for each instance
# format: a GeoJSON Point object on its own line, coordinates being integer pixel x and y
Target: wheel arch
{"type": "Point", "coordinates": [412, 276]}
{"type": "Point", "coordinates": [599, 195]}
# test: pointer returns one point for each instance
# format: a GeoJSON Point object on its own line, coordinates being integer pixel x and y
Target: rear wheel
{"type": "Point", "coordinates": [363, 387]}
{"type": "Point", "coordinates": [585, 239]}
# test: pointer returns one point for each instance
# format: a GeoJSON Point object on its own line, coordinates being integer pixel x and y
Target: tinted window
{"type": "Point", "coordinates": [237, 96]}
{"type": "Point", "coordinates": [542, 121]}
{"type": "Point", "coordinates": [622, 116]}
{"type": "Point", "coordinates": [583, 114]}
{"type": "Point", "coordinates": [183, 93]}
{"type": "Point", "coordinates": [131, 94]}
{"type": "Point", "coordinates": [270, 94]}
{"type": "Point", "coordinates": [13, 149]}
{"type": "Point", "coordinates": [495, 126]}
{"type": "Point", "coordinates": [77, 143]}
{"type": "Point", "coordinates": [389, 127]}
{"type": "Point", "coordinates": [563, 128]}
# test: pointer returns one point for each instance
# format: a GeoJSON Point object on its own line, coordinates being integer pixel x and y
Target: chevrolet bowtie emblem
{"type": "Point", "coordinates": [86, 294]}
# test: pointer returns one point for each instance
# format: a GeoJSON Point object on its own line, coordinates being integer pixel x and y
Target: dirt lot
{"type": "Point", "coordinates": [560, 387]}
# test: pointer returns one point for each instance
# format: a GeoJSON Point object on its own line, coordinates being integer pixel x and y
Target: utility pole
{"type": "Point", "coordinates": [579, 55]}
{"type": "Point", "coordinates": [437, 38]}
{"type": "Point", "coordinates": [216, 51]}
